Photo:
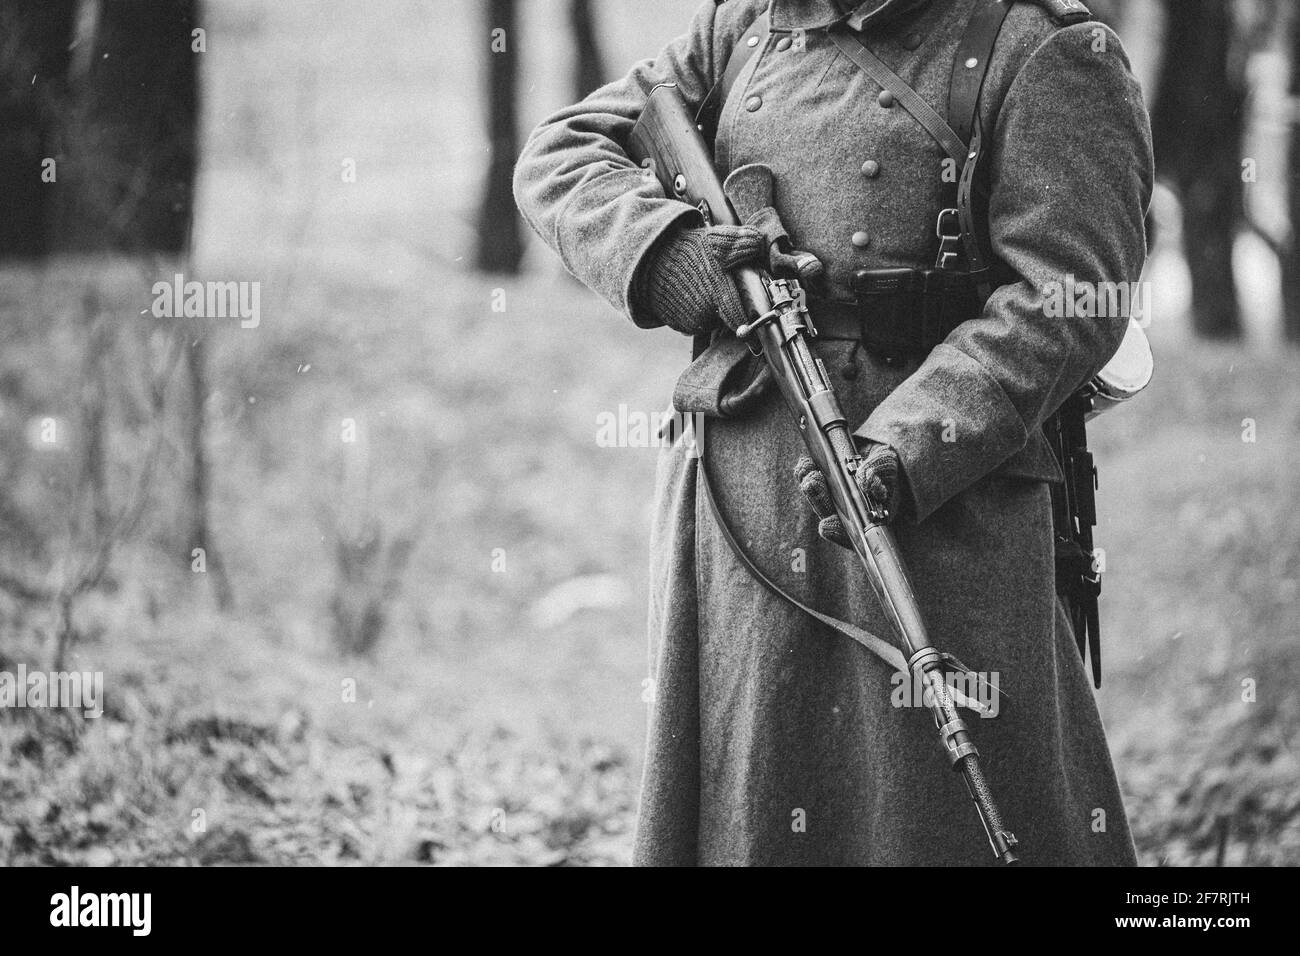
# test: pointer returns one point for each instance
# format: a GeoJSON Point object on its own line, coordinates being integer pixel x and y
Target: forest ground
{"type": "Point", "coordinates": [500, 716]}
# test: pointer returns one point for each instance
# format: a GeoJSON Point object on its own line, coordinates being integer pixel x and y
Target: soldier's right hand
{"type": "Point", "coordinates": [878, 477]}
{"type": "Point", "coordinates": [685, 282]}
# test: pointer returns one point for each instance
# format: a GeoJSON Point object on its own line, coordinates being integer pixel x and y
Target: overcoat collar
{"type": "Point", "coordinates": [817, 14]}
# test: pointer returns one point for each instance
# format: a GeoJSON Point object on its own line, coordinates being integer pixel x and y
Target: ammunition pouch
{"type": "Point", "coordinates": [899, 313]}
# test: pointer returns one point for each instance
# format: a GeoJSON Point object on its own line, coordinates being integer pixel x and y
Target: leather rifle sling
{"type": "Point", "coordinates": [884, 650]}
{"type": "Point", "coordinates": [887, 652]}
{"type": "Point", "coordinates": [710, 111]}
{"type": "Point", "coordinates": [751, 41]}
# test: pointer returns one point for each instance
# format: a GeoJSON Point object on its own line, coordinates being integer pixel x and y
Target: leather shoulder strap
{"type": "Point", "coordinates": [750, 42]}
{"type": "Point", "coordinates": [970, 64]}
{"type": "Point", "coordinates": [856, 50]}
{"type": "Point", "coordinates": [1065, 12]}
{"type": "Point", "coordinates": [969, 69]}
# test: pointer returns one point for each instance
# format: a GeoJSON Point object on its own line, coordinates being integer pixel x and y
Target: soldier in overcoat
{"type": "Point", "coordinates": [774, 740]}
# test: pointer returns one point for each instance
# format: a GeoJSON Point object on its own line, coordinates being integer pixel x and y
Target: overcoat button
{"type": "Point", "coordinates": [871, 169]}
{"type": "Point", "coordinates": [753, 103]}
{"type": "Point", "coordinates": [752, 41]}
{"type": "Point", "coordinates": [912, 41]}
{"type": "Point", "coordinates": [861, 239]}
{"type": "Point", "coordinates": [783, 44]}
{"type": "Point", "coordinates": [886, 99]}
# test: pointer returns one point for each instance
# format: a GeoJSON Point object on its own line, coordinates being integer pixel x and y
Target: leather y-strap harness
{"type": "Point", "coordinates": [960, 134]}
{"type": "Point", "coordinates": [963, 97]}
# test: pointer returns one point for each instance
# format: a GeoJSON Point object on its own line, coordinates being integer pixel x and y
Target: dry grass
{"type": "Point", "coordinates": [480, 731]}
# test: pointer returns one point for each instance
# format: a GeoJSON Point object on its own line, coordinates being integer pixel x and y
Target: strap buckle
{"type": "Point", "coordinates": [947, 228]}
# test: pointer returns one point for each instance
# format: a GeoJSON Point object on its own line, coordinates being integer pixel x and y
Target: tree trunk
{"type": "Point", "coordinates": [1291, 260]}
{"type": "Point", "coordinates": [588, 62]}
{"type": "Point", "coordinates": [98, 337]}
{"type": "Point", "coordinates": [1199, 125]}
{"type": "Point", "coordinates": [500, 242]}
{"type": "Point", "coordinates": [200, 534]}
{"type": "Point", "coordinates": [126, 145]}
{"type": "Point", "coordinates": [34, 39]}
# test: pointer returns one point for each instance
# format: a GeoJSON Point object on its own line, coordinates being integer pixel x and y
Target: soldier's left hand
{"type": "Point", "coordinates": [785, 261]}
{"type": "Point", "coordinates": [878, 477]}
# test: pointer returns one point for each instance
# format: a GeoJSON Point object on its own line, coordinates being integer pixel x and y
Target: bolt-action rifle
{"type": "Point", "coordinates": [667, 140]}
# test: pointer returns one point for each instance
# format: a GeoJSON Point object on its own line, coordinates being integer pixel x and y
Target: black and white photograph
{"type": "Point", "coordinates": [600, 433]}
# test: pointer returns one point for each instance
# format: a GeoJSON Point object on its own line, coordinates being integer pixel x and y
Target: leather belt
{"type": "Point", "coordinates": [900, 312]}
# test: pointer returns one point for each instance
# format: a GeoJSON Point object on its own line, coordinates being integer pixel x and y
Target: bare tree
{"type": "Point", "coordinates": [500, 241]}
{"type": "Point", "coordinates": [198, 510]}
{"type": "Point", "coordinates": [1290, 259]}
{"type": "Point", "coordinates": [126, 145]}
{"type": "Point", "coordinates": [96, 528]}
{"type": "Point", "coordinates": [93, 401]}
{"type": "Point", "coordinates": [1199, 125]}
{"type": "Point", "coordinates": [35, 38]}
{"type": "Point", "coordinates": [129, 139]}
{"type": "Point", "coordinates": [370, 562]}
{"type": "Point", "coordinates": [120, 124]}
{"type": "Point", "coordinates": [370, 555]}
{"type": "Point", "coordinates": [588, 61]}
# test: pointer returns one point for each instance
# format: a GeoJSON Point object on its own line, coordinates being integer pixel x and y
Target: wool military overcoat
{"type": "Point", "coordinates": [773, 739]}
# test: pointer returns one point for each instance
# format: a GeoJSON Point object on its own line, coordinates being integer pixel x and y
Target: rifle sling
{"type": "Point", "coordinates": [881, 648]}
{"type": "Point", "coordinates": [887, 652]}
{"type": "Point", "coordinates": [711, 109]}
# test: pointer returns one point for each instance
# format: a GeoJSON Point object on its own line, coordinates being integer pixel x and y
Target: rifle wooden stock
{"type": "Point", "coordinates": [667, 141]}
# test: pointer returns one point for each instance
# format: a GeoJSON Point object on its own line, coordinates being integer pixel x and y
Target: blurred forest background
{"type": "Point", "coordinates": [362, 583]}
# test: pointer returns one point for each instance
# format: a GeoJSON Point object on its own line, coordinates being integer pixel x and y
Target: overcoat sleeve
{"type": "Point", "coordinates": [1071, 174]}
{"type": "Point", "coordinates": [575, 184]}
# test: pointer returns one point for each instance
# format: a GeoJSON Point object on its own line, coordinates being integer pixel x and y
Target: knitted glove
{"type": "Point", "coordinates": [783, 260]}
{"type": "Point", "coordinates": [878, 477]}
{"type": "Point", "coordinates": [684, 282]}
